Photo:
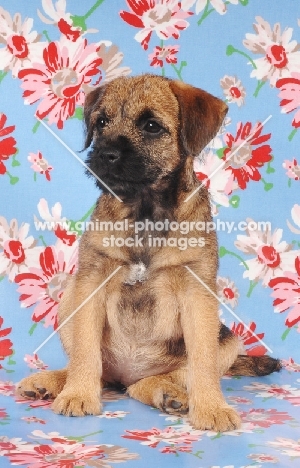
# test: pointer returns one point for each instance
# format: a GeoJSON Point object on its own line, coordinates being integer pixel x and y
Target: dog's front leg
{"type": "Point", "coordinates": [207, 406]}
{"type": "Point", "coordinates": [82, 392]}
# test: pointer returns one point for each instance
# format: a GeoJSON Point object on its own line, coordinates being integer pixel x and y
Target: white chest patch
{"type": "Point", "coordinates": [137, 273]}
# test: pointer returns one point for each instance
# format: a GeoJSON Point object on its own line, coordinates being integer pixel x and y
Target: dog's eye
{"type": "Point", "coordinates": [102, 122]}
{"type": "Point", "coordinates": [152, 127]}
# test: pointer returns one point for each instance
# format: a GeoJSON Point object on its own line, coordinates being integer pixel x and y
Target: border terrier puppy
{"type": "Point", "coordinates": [153, 327]}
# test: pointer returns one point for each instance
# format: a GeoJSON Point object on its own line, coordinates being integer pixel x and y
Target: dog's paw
{"type": "Point", "coordinates": [219, 419]}
{"type": "Point", "coordinates": [42, 386]}
{"type": "Point", "coordinates": [175, 401]}
{"type": "Point", "coordinates": [70, 403]}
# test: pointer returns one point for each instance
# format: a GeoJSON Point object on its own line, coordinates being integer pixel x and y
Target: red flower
{"type": "Point", "coordinates": [290, 92]}
{"type": "Point", "coordinates": [44, 287]}
{"type": "Point", "coordinates": [249, 338]}
{"type": "Point", "coordinates": [286, 291]}
{"type": "Point", "coordinates": [161, 54]}
{"type": "Point", "coordinates": [7, 145]}
{"type": "Point", "coordinates": [246, 160]}
{"type": "Point", "coordinates": [5, 345]}
{"type": "Point", "coordinates": [165, 17]}
{"type": "Point", "coordinates": [67, 29]}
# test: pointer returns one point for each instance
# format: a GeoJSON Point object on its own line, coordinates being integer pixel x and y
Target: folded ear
{"type": "Point", "coordinates": [201, 116]}
{"type": "Point", "coordinates": [91, 104]}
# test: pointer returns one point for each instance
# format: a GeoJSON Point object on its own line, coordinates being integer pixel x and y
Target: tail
{"type": "Point", "coordinates": [254, 365]}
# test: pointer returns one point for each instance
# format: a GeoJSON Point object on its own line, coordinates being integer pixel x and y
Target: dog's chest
{"type": "Point", "coordinates": [137, 274]}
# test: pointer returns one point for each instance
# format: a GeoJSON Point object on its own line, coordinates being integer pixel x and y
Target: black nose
{"type": "Point", "coordinates": [111, 156]}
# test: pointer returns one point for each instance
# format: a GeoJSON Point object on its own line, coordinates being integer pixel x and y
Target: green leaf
{"type": "Point", "coordinates": [285, 334]}
{"type": "Point", "coordinates": [79, 21]}
{"type": "Point", "coordinates": [289, 183]}
{"type": "Point", "coordinates": [14, 180]}
{"type": "Point", "coordinates": [78, 114]}
{"type": "Point", "coordinates": [234, 201]}
{"type": "Point", "coordinates": [230, 50]}
{"type": "Point", "coordinates": [244, 2]}
{"type": "Point", "coordinates": [9, 371]}
{"type": "Point", "coordinates": [32, 329]}
{"type": "Point", "coordinates": [220, 152]}
{"type": "Point", "coordinates": [222, 251]}
{"type": "Point", "coordinates": [268, 186]}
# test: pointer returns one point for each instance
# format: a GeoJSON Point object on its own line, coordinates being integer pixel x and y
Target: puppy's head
{"type": "Point", "coordinates": [143, 128]}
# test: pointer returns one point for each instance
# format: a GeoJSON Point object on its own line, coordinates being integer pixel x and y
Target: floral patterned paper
{"type": "Point", "coordinates": [247, 52]}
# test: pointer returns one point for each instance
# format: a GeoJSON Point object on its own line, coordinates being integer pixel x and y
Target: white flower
{"type": "Point", "coordinates": [22, 46]}
{"type": "Point", "coordinates": [219, 5]}
{"type": "Point", "coordinates": [273, 257]}
{"type": "Point", "coordinates": [233, 90]}
{"type": "Point", "coordinates": [19, 250]}
{"type": "Point", "coordinates": [281, 56]}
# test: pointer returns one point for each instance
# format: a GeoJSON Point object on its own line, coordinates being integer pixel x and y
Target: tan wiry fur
{"type": "Point", "coordinates": [159, 336]}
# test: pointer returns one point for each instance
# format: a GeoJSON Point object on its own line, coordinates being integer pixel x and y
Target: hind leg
{"type": "Point", "coordinates": [162, 391]}
{"type": "Point", "coordinates": [42, 385]}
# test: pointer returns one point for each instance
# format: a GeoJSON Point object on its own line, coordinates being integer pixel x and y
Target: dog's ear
{"type": "Point", "coordinates": [201, 116]}
{"type": "Point", "coordinates": [91, 104]}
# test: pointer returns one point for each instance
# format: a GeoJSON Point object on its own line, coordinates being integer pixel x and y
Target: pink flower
{"type": "Point", "coordinates": [34, 362]}
{"type": "Point", "coordinates": [271, 256]}
{"type": "Point", "coordinates": [244, 162]}
{"type": "Point", "coordinates": [290, 365]}
{"type": "Point", "coordinates": [7, 388]}
{"type": "Point", "coordinates": [290, 94]}
{"type": "Point", "coordinates": [113, 414]}
{"type": "Point", "coordinates": [40, 164]}
{"type": "Point", "coordinates": [18, 251]}
{"type": "Point", "coordinates": [55, 455]}
{"type": "Point", "coordinates": [262, 458]}
{"type": "Point", "coordinates": [44, 286]}
{"type": "Point", "coordinates": [168, 435]}
{"type": "Point", "coordinates": [281, 56]}
{"type": "Point", "coordinates": [249, 338]}
{"type": "Point", "coordinates": [165, 17]}
{"type": "Point", "coordinates": [239, 400]}
{"type": "Point", "coordinates": [33, 419]}
{"type": "Point", "coordinates": [161, 54]}
{"type": "Point", "coordinates": [288, 447]}
{"type": "Point", "coordinates": [7, 444]}
{"type": "Point", "coordinates": [44, 404]}
{"type": "Point", "coordinates": [265, 417]}
{"type": "Point", "coordinates": [286, 291]}
{"type": "Point", "coordinates": [293, 169]}
{"type": "Point", "coordinates": [233, 90]}
{"type": "Point", "coordinates": [60, 83]}
{"type": "Point", "coordinates": [21, 45]}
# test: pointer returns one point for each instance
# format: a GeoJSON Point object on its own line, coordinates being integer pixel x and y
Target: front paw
{"type": "Point", "coordinates": [219, 419]}
{"type": "Point", "coordinates": [70, 403]}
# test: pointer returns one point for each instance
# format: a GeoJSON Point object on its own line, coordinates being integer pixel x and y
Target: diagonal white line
{"type": "Point", "coordinates": [77, 309]}
{"type": "Point", "coordinates": [228, 308]}
{"type": "Point", "coordinates": [224, 162]}
{"type": "Point", "coordinates": [78, 158]}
